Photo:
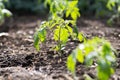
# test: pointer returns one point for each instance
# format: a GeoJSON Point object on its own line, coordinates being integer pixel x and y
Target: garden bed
{"type": "Point", "coordinates": [18, 57]}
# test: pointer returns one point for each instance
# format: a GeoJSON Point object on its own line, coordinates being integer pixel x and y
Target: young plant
{"type": "Point", "coordinates": [61, 27]}
{"type": "Point", "coordinates": [3, 12]}
{"type": "Point", "coordinates": [94, 50]}
{"type": "Point", "coordinates": [64, 7]}
{"type": "Point", "coordinates": [114, 6]}
{"type": "Point", "coordinates": [61, 32]}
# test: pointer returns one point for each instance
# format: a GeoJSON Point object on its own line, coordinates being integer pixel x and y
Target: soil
{"type": "Point", "coordinates": [19, 60]}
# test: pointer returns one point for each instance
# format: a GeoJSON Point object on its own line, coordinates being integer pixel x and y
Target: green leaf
{"type": "Point", "coordinates": [80, 55]}
{"type": "Point", "coordinates": [74, 15]}
{"type": "Point", "coordinates": [110, 5]}
{"type": "Point", "coordinates": [88, 49]}
{"type": "Point", "coordinates": [73, 3]}
{"type": "Point", "coordinates": [80, 37]}
{"type": "Point", "coordinates": [56, 48]}
{"type": "Point", "coordinates": [56, 33]}
{"type": "Point", "coordinates": [40, 36]}
{"type": "Point", "coordinates": [70, 30]}
{"type": "Point", "coordinates": [68, 13]}
{"type": "Point", "coordinates": [106, 49]}
{"type": "Point", "coordinates": [107, 52]}
{"type": "Point", "coordinates": [104, 70]}
{"type": "Point", "coordinates": [47, 2]}
{"type": "Point", "coordinates": [6, 12]}
{"type": "Point", "coordinates": [90, 57]}
{"type": "Point", "coordinates": [71, 62]}
{"type": "Point", "coordinates": [119, 8]}
{"type": "Point", "coordinates": [61, 33]}
{"type": "Point", "coordinates": [36, 41]}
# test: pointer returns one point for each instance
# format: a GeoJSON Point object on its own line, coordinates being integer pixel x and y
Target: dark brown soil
{"type": "Point", "coordinates": [19, 60]}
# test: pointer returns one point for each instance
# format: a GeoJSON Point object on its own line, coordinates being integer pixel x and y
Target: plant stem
{"type": "Point", "coordinates": [59, 41]}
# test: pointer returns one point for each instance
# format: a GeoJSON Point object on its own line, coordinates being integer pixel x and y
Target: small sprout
{"type": "Point", "coordinates": [3, 12]}
{"type": "Point", "coordinates": [60, 27]}
{"type": "Point", "coordinates": [39, 37]}
{"type": "Point", "coordinates": [98, 50]}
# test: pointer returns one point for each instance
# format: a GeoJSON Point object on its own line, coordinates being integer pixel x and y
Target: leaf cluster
{"type": "Point", "coordinates": [61, 28]}
{"type": "Point", "coordinates": [61, 32]}
{"type": "Point", "coordinates": [3, 12]}
{"type": "Point", "coordinates": [114, 6]}
{"type": "Point", "coordinates": [61, 8]}
{"type": "Point", "coordinates": [94, 50]}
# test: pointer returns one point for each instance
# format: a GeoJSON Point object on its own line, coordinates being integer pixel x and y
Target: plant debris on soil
{"type": "Point", "coordinates": [19, 60]}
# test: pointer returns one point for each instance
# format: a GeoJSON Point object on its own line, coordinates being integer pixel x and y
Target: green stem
{"type": "Point", "coordinates": [59, 41]}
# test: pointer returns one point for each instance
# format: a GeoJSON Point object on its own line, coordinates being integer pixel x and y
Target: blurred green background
{"type": "Point", "coordinates": [97, 8]}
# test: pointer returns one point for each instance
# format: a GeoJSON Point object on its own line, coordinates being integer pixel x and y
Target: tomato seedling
{"type": "Point", "coordinates": [61, 27]}
{"type": "Point", "coordinates": [98, 50]}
